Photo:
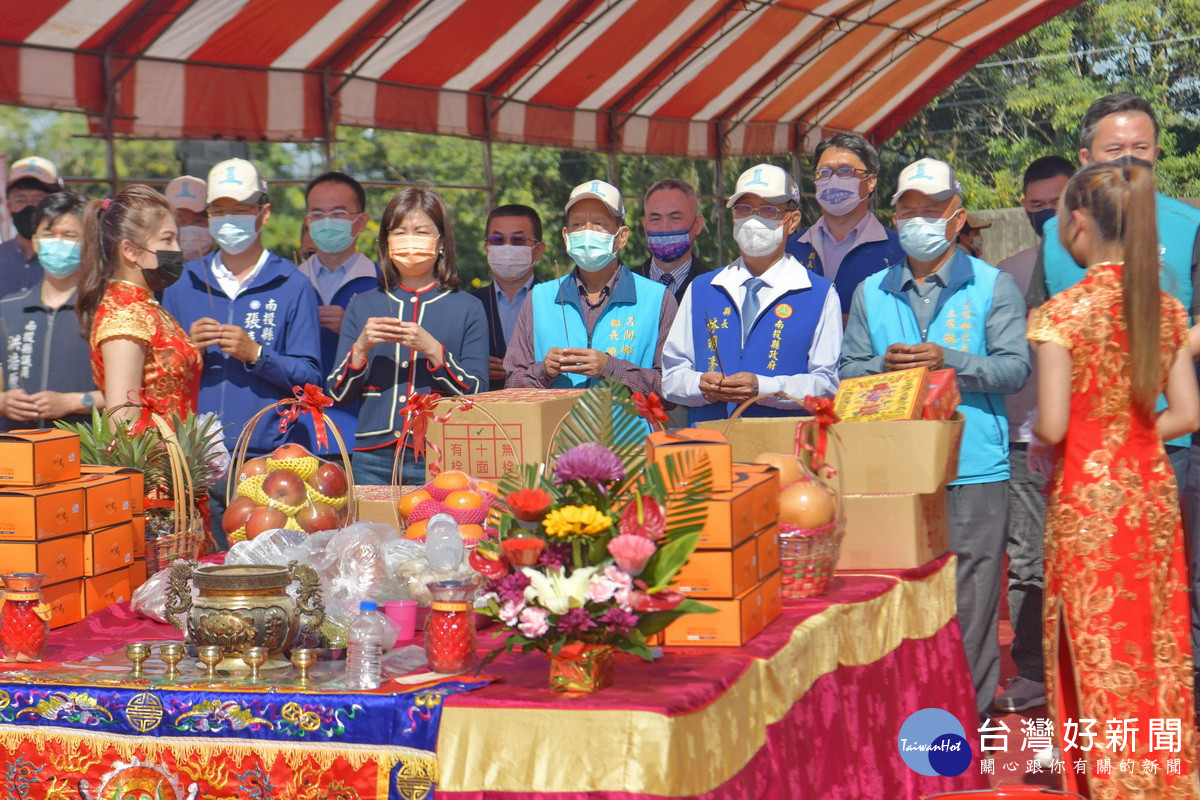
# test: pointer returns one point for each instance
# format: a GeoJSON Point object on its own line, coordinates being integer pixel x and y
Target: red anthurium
{"type": "Point", "coordinates": [644, 516]}
{"type": "Point", "coordinates": [489, 564]}
{"type": "Point", "coordinates": [665, 600]}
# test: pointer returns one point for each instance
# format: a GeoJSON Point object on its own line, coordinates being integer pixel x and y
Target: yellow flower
{"type": "Point", "coordinates": [576, 521]}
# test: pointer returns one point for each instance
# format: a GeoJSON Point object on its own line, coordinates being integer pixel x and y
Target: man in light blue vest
{"type": "Point", "coordinates": [944, 308]}
{"type": "Point", "coordinates": [598, 321]}
{"type": "Point", "coordinates": [727, 343]}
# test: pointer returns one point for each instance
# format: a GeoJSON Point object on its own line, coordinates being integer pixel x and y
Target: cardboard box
{"type": "Point", "coordinates": [768, 551]}
{"type": "Point", "coordinates": [138, 573]}
{"type": "Point", "coordinates": [106, 500]}
{"type": "Point", "coordinates": [719, 573]}
{"type": "Point", "coordinates": [736, 621]}
{"type": "Point", "coordinates": [519, 431]}
{"type": "Point", "coordinates": [660, 445]}
{"type": "Point", "coordinates": [137, 481]}
{"type": "Point", "coordinates": [941, 395]}
{"type": "Point", "coordinates": [37, 457]}
{"type": "Point", "coordinates": [105, 590]}
{"type": "Point", "coordinates": [886, 396]}
{"type": "Point", "coordinates": [894, 531]}
{"type": "Point", "coordinates": [378, 503]}
{"type": "Point", "coordinates": [66, 602]}
{"type": "Point", "coordinates": [893, 457]}
{"type": "Point", "coordinates": [58, 559]}
{"type": "Point", "coordinates": [733, 517]}
{"type": "Point", "coordinates": [138, 522]}
{"type": "Point", "coordinates": [108, 549]}
{"type": "Point", "coordinates": [46, 512]}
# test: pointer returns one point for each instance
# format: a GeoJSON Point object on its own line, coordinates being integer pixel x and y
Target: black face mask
{"type": "Point", "coordinates": [170, 267]}
{"type": "Point", "coordinates": [23, 221]}
{"type": "Point", "coordinates": [1038, 219]}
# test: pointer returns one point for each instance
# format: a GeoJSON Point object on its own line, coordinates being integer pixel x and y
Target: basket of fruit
{"type": "Point", "coordinates": [469, 501]}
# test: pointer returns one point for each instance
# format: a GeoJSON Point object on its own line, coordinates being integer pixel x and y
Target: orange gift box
{"type": "Point", "coordinates": [138, 573]}
{"type": "Point", "coordinates": [735, 622]}
{"type": "Point", "coordinates": [661, 444]}
{"type": "Point", "coordinates": [108, 549]}
{"type": "Point", "coordinates": [46, 512]}
{"type": "Point", "coordinates": [105, 590]}
{"type": "Point", "coordinates": [37, 457]}
{"type": "Point", "coordinates": [106, 500]}
{"type": "Point", "coordinates": [768, 551]}
{"type": "Point", "coordinates": [734, 516]}
{"type": "Point", "coordinates": [941, 395]}
{"type": "Point", "coordinates": [139, 535]}
{"type": "Point", "coordinates": [719, 573]}
{"type": "Point", "coordinates": [66, 602]}
{"type": "Point", "coordinates": [136, 478]}
{"type": "Point", "coordinates": [886, 396]}
{"type": "Point", "coordinates": [58, 559]}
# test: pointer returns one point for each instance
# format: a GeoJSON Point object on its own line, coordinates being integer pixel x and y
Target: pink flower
{"type": "Point", "coordinates": [533, 622]}
{"type": "Point", "coordinates": [624, 582]}
{"type": "Point", "coordinates": [510, 612]}
{"type": "Point", "coordinates": [601, 589]}
{"type": "Point", "coordinates": [631, 552]}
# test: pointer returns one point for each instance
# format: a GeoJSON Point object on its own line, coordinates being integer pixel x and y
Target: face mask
{"type": "Point", "coordinates": [59, 257]}
{"type": "Point", "coordinates": [194, 241]}
{"type": "Point", "coordinates": [509, 261]}
{"type": "Point", "coordinates": [923, 238]}
{"type": "Point", "coordinates": [331, 235]}
{"type": "Point", "coordinates": [413, 255]}
{"type": "Point", "coordinates": [757, 237]}
{"type": "Point", "coordinates": [1038, 219]}
{"type": "Point", "coordinates": [23, 221]}
{"type": "Point", "coordinates": [591, 250]}
{"type": "Point", "coordinates": [234, 234]}
{"type": "Point", "coordinates": [668, 246]}
{"type": "Point", "coordinates": [838, 196]}
{"type": "Point", "coordinates": [166, 272]}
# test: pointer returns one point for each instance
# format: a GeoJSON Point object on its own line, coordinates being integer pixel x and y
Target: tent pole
{"type": "Point", "coordinates": [489, 175]}
{"type": "Point", "coordinates": [326, 121]}
{"type": "Point", "coordinates": [719, 192]}
{"type": "Point", "coordinates": [110, 144]}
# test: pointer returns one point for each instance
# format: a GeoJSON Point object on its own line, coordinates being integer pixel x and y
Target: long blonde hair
{"type": "Point", "coordinates": [1119, 196]}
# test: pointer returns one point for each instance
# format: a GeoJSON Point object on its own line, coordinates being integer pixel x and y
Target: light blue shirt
{"type": "Point", "coordinates": [327, 281]}
{"type": "Point", "coordinates": [509, 310]}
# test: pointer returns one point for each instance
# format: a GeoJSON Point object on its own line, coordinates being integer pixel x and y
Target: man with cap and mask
{"type": "Point", "coordinates": [30, 180]}
{"type": "Point", "coordinates": [186, 197]}
{"type": "Point", "coordinates": [250, 313]}
{"type": "Point", "coordinates": [943, 308]}
{"type": "Point", "coordinates": [847, 243]}
{"type": "Point", "coordinates": [598, 321]}
{"type": "Point", "coordinates": [727, 342]}
{"type": "Point", "coordinates": [672, 221]}
{"type": "Point", "coordinates": [970, 238]}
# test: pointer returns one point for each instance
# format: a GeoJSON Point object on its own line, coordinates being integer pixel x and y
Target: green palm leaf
{"type": "Point", "coordinates": [604, 414]}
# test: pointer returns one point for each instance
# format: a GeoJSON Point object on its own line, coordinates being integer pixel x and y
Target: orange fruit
{"type": "Point", "coordinates": [487, 487]}
{"type": "Point", "coordinates": [417, 530]}
{"type": "Point", "coordinates": [464, 499]}
{"type": "Point", "coordinates": [471, 532]}
{"type": "Point", "coordinates": [410, 501]}
{"type": "Point", "coordinates": [452, 481]}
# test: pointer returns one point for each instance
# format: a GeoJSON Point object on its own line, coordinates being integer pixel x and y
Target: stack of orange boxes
{"type": "Point", "coordinates": [76, 527]}
{"type": "Point", "coordinates": [735, 568]}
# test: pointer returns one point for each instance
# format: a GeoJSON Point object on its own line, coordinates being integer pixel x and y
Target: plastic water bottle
{"type": "Point", "coordinates": [443, 543]}
{"type": "Point", "coordinates": [365, 653]}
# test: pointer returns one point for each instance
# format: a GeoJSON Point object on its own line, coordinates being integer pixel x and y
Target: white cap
{"type": "Point", "coordinates": [39, 169]}
{"type": "Point", "coordinates": [930, 177]}
{"type": "Point", "coordinates": [599, 190]}
{"type": "Point", "coordinates": [771, 183]}
{"type": "Point", "coordinates": [235, 178]}
{"type": "Point", "coordinates": [186, 192]}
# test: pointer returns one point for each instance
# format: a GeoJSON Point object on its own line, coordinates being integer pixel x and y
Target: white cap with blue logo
{"type": "Point", "coordinates": [930, 177]}
{"type": "Point", "coordinates": [599, 190]}
{"type": "Point", "coordinates": [186, 192]}
{"type": "Point", "coordinates": [237, 179]}
{"type": "Point", "coordinates": [771, 183]}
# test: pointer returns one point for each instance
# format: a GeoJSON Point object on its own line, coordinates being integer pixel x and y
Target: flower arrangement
{"type": "Point", "coordinates": [586, 549]}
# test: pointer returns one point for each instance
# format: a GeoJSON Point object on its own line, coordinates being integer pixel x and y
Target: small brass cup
{"type": "Point", "coordinates": [254, 657]}
{"type": "Point", "coordinates": [210, 655]}
{"type": "Point", "coordinates": [303, 659]}
{"type": "Point", "coordinates": [137, 652]}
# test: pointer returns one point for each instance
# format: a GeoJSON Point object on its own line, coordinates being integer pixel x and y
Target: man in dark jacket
{"type": "Point", "coordinates": [672, 221]}
{"type": "Point", "coordinates": [513, 246]}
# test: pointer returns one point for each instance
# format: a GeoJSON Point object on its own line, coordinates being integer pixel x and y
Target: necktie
{"type": "Point", "coordinates": [750, 305]}
{"type": "Point", "coordinates": [666, 279]}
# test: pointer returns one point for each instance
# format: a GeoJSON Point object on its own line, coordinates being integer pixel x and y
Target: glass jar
{"type": "Point", "coordinates": [450, 628]}
{"type": "Point", "coordinates": [24, 617]}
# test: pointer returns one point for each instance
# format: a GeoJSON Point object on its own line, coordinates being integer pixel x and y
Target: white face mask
{"type": "Point", "coordinates": [838, 196]}
{"type": "Point", "coordinates": [758, 237]}
{"type": "Point", "coordinates": [510, 261]}
{"type": "Point", "coordinates": [194, 241]}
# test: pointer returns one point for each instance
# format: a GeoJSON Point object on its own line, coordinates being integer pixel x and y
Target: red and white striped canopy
{"type": "Point", "coordinates": [665, 77]}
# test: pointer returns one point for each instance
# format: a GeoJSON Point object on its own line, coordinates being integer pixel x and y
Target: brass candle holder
{"type": "Point", "coordinates": [210, 655]}
{"type": "Point", "coordinates": [171, 654]}
{"type": "Point", "coordinates": [303, 659]}
{"type": "Point", "coordinates": [254, 657]}
{"type": "Point", "coordinates": [137, 652]}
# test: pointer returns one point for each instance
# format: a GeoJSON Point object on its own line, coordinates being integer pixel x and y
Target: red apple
{"type": "Point", "coordinates": [255, 466]}
{"type": "Point", "coordinates": [290, 450]}
{"type": "Point", "coordinates": [264, 518]}
{"type": "Point", "coordinates": [237, 514]}
{"type": "Point", "coordinates": [285, 487]}
{"type": "Point", "coordinates": [318, 516]}
{"type": "Point", "coordinates": [330, 480]}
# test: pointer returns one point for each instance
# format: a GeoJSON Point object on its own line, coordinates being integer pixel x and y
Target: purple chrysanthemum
{"type": "Point", "coordinates": [555, 556]}
{"type": "Point", "coordinates": [576, 620]}
{"type": "Point", "coordinates": [620, 620]}
{"type": "Point", "coordinates": [511, 588]}
{"type": "Point", "coordinates": [589, 462]}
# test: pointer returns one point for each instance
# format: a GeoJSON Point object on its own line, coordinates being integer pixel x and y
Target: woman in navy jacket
{"type": "Point", "coordinates": [416, 333]}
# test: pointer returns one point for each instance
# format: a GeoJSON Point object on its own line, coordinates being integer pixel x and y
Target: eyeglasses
{"type": "Point", "coordinates": [518, 240]}
{"type": "Point", "coordinates": [235, 211]}
{"type": "Point", "coordinates": [825, 173]}
{"type": "Point", "coordinates": [313, 216]}
{"type": "Point", "coordinates": [766, 212]}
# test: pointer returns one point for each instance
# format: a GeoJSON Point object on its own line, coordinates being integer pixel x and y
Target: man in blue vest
{"type": "Point", "coordinates": [598, 321]}
{"type": "Point", "coordinates": [848, 242]}
{"type": "Point", "coordinates": [726, 345]}
{"type": "Point", "coordinates": [943, 308]}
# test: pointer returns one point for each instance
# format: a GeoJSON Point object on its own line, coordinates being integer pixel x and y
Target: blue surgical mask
{"type": "Point", "coordinates": [331, 235]}
{"type": "Point", "coordinates": [234, 233]}
{"type": "Point", "coordinates": [923, 238]}
{"type": "Point", "coordinates": [59, 257]}
{"type": "Point", "coordinates": [668, 246]}
{"type": "Point", "coordinates": [591, 250]}
{"type": "Point", "coordinates": [1038, 219]}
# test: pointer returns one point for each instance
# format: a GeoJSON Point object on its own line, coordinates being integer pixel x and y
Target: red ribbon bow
{"type": "Point", "coordinates": [418, 412]}
{"type": "Point", "coordinates": [149, 405]}
{"type": "Point", "coordinates": [823, 415]}
{"type": "Point", "coordinates": [309, 400]}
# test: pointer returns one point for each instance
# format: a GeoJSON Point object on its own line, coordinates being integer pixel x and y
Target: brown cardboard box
{"type": "Point", "coordinates": [44, 512]}
{"type": "Point", "coordinates": [719, 573]}
{"type": "Point", "coordinates": [137, 481]}
{"type": "Point", "coordinates": [106, 500]}
{"type": "Point", "coordinates": [660, 445]}
{"type": "Point", "coordinates": [470, 441]}
{"type": "Point", "coordinates": [105, 590]}
{"type": "Point", "coordinates": [66, 602]}
{"type": "Point", "coordinates": [894, 531]}
{"type": "Point", "coordinates": [108, 549]}
{"type": "Point", "coordinates": [137, 574]}
{"type": "Point", "coordinates": [58, 559]}
{"type": "Point", "coordinates": [768, 551]}
{"type": "Point", "coordinates": [34, 458]}
{"type": "Point", "coordinates": [733, 517]}
{"type": "Point", "coordinates": [138, 522]}
{"type": "Point", "coordinates": [378, 503]}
